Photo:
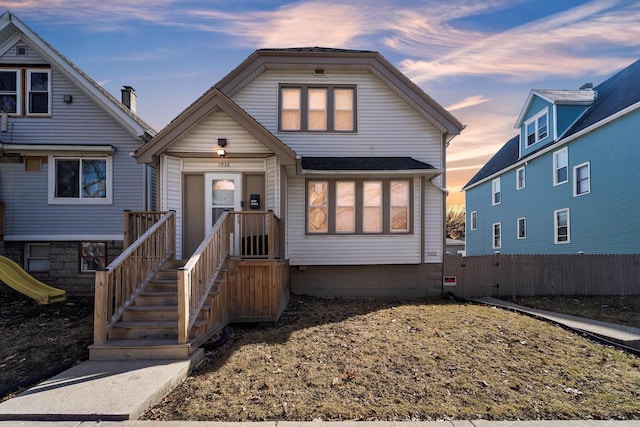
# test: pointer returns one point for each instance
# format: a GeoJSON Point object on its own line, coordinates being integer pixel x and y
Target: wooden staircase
{"type": "Point", "coordinates": [148, 329]}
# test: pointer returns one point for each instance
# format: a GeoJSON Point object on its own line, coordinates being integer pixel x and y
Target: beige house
{"type": "Point", "coordinates": [345, 151]}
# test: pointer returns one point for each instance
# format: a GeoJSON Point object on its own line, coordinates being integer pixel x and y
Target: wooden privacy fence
{"type": "Point", "coordinates": [529, 275]}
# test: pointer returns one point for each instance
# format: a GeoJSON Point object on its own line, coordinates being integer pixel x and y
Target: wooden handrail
{"type": "Point", "coordinates": [257, 235]}
{"type": "Point", "coordinates": [136, 223]}
{"type": "Point", "coordinates": [125, 277]}
{"type": "Point", "coordinates": [197, 277]}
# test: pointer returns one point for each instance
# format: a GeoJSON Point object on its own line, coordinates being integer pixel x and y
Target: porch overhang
{"type": "Point", "coordinates": [46, 149]}
{"type": "Point", "coordinates": [378, 166]}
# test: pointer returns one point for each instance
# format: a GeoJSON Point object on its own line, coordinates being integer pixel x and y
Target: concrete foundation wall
{"type": "Point", "coordinates": [406, 281]}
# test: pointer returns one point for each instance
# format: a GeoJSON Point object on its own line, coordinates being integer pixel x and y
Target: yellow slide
{"type": "Point", "coordinates": [13, 275]}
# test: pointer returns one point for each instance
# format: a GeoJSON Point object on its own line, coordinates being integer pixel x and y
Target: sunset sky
{"type": "Point", "coordinates": [477, 58]}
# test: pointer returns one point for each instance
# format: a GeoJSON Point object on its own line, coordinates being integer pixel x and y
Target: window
{"type": "Point", "coordinates": [537, 128]}
{"type": "Point", "coordinates": [520, 178]}
{"type": "Point", "coordinates": [560, 167]}
{"type": "Point", "coordinates": [31, 97]}
{"type": "Point", "coordinates": [497, 237]}
{"type": "Point", "coordinates": [9, 84]}
{"type": "Point", "coordinates": [522, 228]}
{"type": "Point", "coordinates": [80, 180]}
{"type": "Point", "coordinates": [400, 201]}
{"type": "Point", "coordinates": [359, 206]}
{"type": "Point", "coordinates": [37, 257]}
{"type": "Point", "coordinates": [582, 179]}
{"type": "Point", "coordinates": [318, 194]}
{"type": "Point", "coordinates": [93, 256]}
{"type": "Point", "coordinates": [474, 220]}
{"type": "Point", "coordinates": [38, 89]}
{"type": "Point", "coordinates": [317, 108]}
{"type": "Point", "coordinates": [496, 197]}
{"type": "Point", "coordinates": [562, 226]}
{"type": "Point", "coordinates": [345, 207]}
{"type": "Point", "coordinates": [372, 207]}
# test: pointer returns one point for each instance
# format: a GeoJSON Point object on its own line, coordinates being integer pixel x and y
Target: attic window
{"type": "Point", "coordinates": [21, 51]}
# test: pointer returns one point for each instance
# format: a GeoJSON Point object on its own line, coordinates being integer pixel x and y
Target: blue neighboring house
{"type": "Point", "coordinates": [568, 182]}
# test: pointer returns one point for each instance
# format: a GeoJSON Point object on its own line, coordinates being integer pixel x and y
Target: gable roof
{"type": "Point", "coordinates": [557, 97]}
{"type": "Point", "coordinates": [318, 57]}
{"type": "Point", "coordinates": [614, 96]}
{"type": "Point", "coordinates": [187, 120]}
{"type": "Point", "coordinates": [13, 29]}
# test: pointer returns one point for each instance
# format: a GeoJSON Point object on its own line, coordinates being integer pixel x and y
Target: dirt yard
{"type": "Point", "coordinates": [364, 360]}
{"type": "Point", "coordinates": [380, 360]}
{"type": "Point", "coordinates": [36, 338]}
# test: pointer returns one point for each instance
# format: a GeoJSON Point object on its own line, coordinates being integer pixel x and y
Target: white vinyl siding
{"type": "Point", "coordinates": [204, 139]}
{"type": "Point", "coordinates": [338, 249]}
{"type": "Point", "coordinates": [377, 106]}
{"type": "Point", "coordinates": [272, 177]}
{"type": "Point", "coordinates": [172, 194]}
{"type": "Point", "coordinates": [433, 202]}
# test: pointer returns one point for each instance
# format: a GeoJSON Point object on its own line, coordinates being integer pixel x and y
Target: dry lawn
{"type": "Point", "coordinates": [383, 360]}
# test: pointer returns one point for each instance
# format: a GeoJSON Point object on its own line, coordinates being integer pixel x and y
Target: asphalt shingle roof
{"type": "Point", "coordinates": [613, 95]}
{"type": "Point", "coordinates": [363, 163]}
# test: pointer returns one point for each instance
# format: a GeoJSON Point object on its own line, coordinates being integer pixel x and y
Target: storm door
{"type": "Point", "coordinates": [223, 192]}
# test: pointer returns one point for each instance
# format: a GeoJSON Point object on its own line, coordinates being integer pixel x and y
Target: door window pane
{"type": "Point", "coordinates": [372, 207]}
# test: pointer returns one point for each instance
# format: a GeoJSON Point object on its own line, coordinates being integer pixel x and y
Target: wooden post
{"type": "Point", "coordinates": [100, 308]}
{"type": "Point", "coordinates": [172, 233]}
{"type": "Point", "coordinates": [272, 235]}
{"type": "Point", "coordinates": [127, 230]}
{"type": "Point", "coordinates": [183, 306]}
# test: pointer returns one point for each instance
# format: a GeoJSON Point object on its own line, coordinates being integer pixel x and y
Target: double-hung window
{"type": "Point", "coordinates": [311, 108]}
{"type": "Point", "coordinates": [561, 222]}
{"type": "Point", "coordinates": [80, 180]}
{"type": "Point", "coordinates": [560, 166]}
{"type": "Point", "coordinates": [581, 179]}
{"type": "Point", "coordinates": [520, 178]}
{"type": "Point", "coordinates": [496, 193]}
{"type": "Point", "coordinates": [359, 206]}
{"type": "Point", "coordinates": [474, 220]}
{"type": "Point", "coordinates": [537, 128]}
{"type": "Point", "coordinates": [522, 228]}
{"type": "Point", "coordinates": [497, 235]}
{"type": "Point", "coordinates": [33, 97]}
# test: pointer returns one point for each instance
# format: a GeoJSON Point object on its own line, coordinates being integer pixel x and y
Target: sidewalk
{"type": "Point", "coordinates": [625, 335]}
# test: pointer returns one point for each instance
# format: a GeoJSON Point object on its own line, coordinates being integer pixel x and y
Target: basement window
{"type": "Point", "coordinates": [93, 256]}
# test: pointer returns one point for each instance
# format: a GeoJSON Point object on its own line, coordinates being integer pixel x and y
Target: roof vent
{"type": "Point", "coordinates": [586, 86]}
{"type": "Point", "coordinates": [21, 51]}
{"type": "Point", "coordinates": [318, 72]}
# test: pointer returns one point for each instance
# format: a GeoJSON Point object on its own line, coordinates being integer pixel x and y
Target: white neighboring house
{"type": "Point", "coordinates": [66, 170]}
{"type": "Point", "coordinates": [341, 146]}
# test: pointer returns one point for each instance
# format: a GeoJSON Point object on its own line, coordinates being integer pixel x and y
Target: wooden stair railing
{"type": "Point", "coordinates": [197, 278]}
{"type": "Point", "coordinates": [118, 285]}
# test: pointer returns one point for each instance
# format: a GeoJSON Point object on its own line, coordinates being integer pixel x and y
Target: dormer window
{"type": "Point", "coordinates": [537, 128]}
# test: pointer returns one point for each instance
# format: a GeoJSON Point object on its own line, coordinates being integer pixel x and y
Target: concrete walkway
{"type": "Point", "coordinates": [102, 393]}
{"type": "Point", "coordinates": [625, 335]}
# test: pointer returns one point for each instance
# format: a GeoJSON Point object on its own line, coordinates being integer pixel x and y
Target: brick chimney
{"type": "Point", "coordinates": [129, 98]}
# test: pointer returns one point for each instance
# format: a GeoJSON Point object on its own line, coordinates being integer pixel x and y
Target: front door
{"type": "Point", "coordinates": [223, 192]}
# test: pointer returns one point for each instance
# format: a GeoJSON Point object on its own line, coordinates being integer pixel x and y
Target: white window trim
{"type": "Point", "coordinates": [19, 91]}
{"type": "Point", "coordinates": [555, 167]}
{"type": "Point", "coordinates": [575, 179]}
{"type": "Point", "coordinates": [493, 235]}
{"type": "Point", "coordinates": [534, 120]}
{"type": "Point", "coordinates": [28, 258]}
{"type": "Point", "coordinates": [28, 91]}
{"type": "Point", "coordinates": [518, 228]}
{"type": "Point", "coordinates": [524, 181]}
{"type": "Point", "coordinates": [474, 220]}
{"type": "Point", "coordinates": [108, 200]}
{"type": "Point", "coordinates": [555, 226]}
{"type": "Point", "coordinates": [494, 192]}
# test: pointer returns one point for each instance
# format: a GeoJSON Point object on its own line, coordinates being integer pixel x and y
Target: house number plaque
{"type": "Point", "coordinates": [224, 164]}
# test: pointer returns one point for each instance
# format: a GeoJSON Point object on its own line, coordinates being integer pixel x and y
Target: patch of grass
{"type": "Point", "coordinates": [337, 359]}
{"type": "Point", "coordinates": [619, 310]}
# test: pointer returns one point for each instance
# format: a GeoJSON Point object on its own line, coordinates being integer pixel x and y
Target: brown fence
{"type": "Point", "coordinates": [529, 275]}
